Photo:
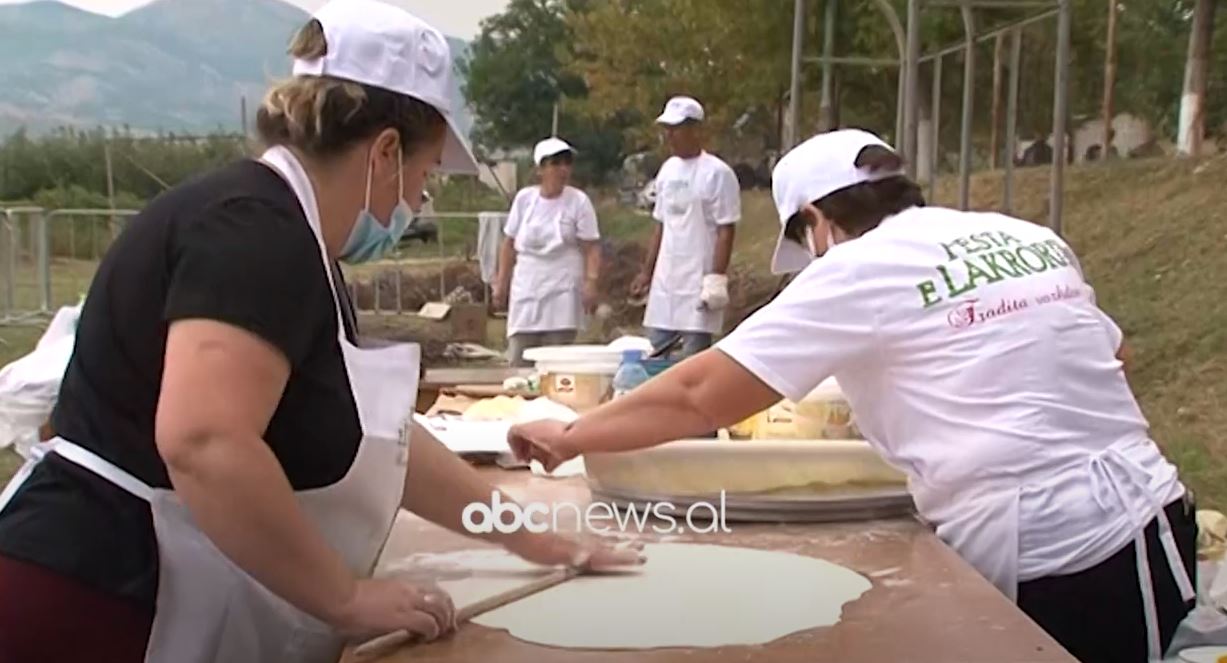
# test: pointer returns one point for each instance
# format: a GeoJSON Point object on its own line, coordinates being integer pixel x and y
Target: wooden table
{"type": "Point", "coordinates": [926, 605]}
{"type": "Point", "coordinates": [442, 378]}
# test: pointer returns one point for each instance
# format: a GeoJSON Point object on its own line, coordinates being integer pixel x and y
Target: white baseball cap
{"type": "Point", "coordinates": [550, 147]}
{"type": "Point", "coordinates": [680, 109]}
{"type": "Point", "coordinates": [812, 171]}
{"type": "Point", "coordinates": [384, 46]}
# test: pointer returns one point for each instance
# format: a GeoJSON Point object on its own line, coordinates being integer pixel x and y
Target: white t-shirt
{"type": "Point", "coordinates": [972, 352]}
{"type": "Point", "coordinates": [713, 180]}
{"type": "Point", "coordinates": [694, 199]}
{"type": "Point", "coordinates": [530, 211]}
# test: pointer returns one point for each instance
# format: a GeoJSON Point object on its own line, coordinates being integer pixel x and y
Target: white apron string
{"type": "Point", "coordinates": [36, 455]}
{"type": "Point", "coordinates": [103, 468]}
{"type": "Point", "coordinates": [1111, 471]}
{"type": "Point", "coordinates": [78, 456]}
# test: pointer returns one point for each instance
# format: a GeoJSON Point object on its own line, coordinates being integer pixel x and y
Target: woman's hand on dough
{"type": "Point", "coordinates": [541, 441]}
{"type": "Point", "coordinates": [387, 605]}
{"type": "Point", "coordinates": [591, 553]}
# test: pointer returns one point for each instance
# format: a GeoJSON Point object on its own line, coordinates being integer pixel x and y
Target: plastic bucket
{"type": "Point", "coordinates": [575, 359]}
{"type": "Point", "coordinates": [578, 376]}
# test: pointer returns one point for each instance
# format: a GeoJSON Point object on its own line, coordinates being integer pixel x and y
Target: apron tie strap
{"type": "Point", "coordinates": [1111, 472]}
{"type": "Point", "coordinates": [103, 468]}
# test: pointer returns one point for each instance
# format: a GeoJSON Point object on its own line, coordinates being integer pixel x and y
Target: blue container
{"type": "Point", "coordinates": [657, 366]}
{"type": "Point", "coordinates": [631, 373]}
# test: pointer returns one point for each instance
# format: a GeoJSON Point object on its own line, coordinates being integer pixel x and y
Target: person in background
{"type": "Point", "coordinates": [977, 362]}
{"type": "Point", "coordinates": [550, 262]}
{"type": "Point", "coordinates": [231, 459]}
{"type": "Point", "coordinates": [698, 203]}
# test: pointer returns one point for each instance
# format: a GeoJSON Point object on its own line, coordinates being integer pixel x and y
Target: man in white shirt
{"type": "Point", "coordinates": [975, 359]}
{"type": "Point", "coordinates": [550, 261]}
{"type": "Point", "coordinates": [698, 203]}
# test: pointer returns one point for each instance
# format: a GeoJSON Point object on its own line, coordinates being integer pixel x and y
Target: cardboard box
{"type": "Point", "coordinates": [468, 323]}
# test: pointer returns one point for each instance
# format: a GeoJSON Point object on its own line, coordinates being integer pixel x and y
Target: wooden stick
{"type": "Point", "coordinates": [385, 643]}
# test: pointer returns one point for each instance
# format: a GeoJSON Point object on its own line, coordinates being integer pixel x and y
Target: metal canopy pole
{"type": "Point", "coordinates": [992, 34]}
{"type": "Point", "coordinates": [911, 103]}
{"type": "Point", "coordinates": [1011, 120]}
{"type": "Point", "coordinates": [826, 108]}
{"type": "Point", "coordinates": [851, 59]}
{"type": "Point", "coordinates": [969, 81]}
{"type": "Point", "coordinates": [1060, 111]}
{"type": "Point", "coordinates": [934, 143]}
{"type": "Point", "coordinates": [794, 95]}
{"type": "Point", "coordinates": [896, 27]}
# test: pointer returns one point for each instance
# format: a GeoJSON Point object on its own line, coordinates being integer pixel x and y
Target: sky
{"type": "Point", "coordinates": [456, 18]}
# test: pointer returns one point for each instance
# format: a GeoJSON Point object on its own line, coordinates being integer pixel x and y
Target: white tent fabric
{"type": "Point", "coordinates": [30, 386]}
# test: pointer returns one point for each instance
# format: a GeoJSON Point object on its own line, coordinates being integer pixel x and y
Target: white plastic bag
{"type": "Point", "coordinates": [30, 386]}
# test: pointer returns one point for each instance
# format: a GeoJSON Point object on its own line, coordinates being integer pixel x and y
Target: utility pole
{"type": "Point", "coordinates": [111, 188]}
{"type": "Point", "coordinates": [1193, 102]}
{"type": "Point", "coordinates": [554, 125]}
{"type": "Point", "coordinates": [1109, 81]}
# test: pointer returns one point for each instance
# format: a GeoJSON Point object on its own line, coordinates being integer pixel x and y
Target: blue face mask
{"type": "Point", "coordinates": [371, 240]}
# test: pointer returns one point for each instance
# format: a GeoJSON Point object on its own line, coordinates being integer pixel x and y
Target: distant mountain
{"type": "Point", "coordinates": [173, 65]}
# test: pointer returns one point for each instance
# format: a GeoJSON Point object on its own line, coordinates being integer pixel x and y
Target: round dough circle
{"type": "Point", "coordinates": [686, 595]}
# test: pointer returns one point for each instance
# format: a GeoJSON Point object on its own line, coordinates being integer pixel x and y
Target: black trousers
{"type": "Point", "coordinates": [1097, 614]}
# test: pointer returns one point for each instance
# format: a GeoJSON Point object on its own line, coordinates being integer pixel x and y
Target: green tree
{"type": "Point", "coordinates": [515, 77]}
{"type": "Point", "coordinates": [634, 54]}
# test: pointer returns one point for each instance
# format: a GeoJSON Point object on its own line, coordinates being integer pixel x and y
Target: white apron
{"type": "Point", "coordinates": [981, 523]}
{"type": "Point", "coordinates": [687, 250]}
{"type": "Point", "coordinates": [545, 284]}
{"type": "Point", "coordinates": [209, 610]}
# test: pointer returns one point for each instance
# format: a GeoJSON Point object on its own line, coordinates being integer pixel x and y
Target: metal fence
{"type": "Point", "coordinates": [48, 259]}
{"type": "Point", "coordinates": [421, 270]}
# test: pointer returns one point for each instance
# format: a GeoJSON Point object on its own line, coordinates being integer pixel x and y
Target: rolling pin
{"type": "Point", "coordinates": [390, 641]}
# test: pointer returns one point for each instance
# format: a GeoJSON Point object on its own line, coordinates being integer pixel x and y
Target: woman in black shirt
{"type": "Point", "coordinates": [230, 461]}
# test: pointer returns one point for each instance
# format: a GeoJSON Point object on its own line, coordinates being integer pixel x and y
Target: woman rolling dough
{"type": "Point", "coordinates": [550, 262]}
{"type": "Point", "coordinates": [973, 353]}
{"type": "Point", "coordinates": [231, 461]}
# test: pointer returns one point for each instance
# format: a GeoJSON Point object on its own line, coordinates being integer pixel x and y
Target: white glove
{"type": "Point", "coordinates": [715, 293]}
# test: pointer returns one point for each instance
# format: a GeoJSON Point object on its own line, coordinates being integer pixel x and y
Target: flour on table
{"type": "Point", "coordinates": [687, 595]}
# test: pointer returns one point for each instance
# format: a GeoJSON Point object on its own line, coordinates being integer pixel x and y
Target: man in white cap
{"type": "Point", "coordinates": [698, 203]}
{"type": "Point", "coordinates": [976, 361]}
{"type": "Point", "coordinates": [550, 262]}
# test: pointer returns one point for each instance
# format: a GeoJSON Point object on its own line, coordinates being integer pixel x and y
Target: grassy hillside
{"type": "Point", "coordinates": [1151, 236]}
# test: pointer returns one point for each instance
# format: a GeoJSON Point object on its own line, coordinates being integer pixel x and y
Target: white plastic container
{"type": "Point", "coordinates": [578, 376]}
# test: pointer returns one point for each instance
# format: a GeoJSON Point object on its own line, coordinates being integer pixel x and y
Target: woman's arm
{"type": "Point", "coordinates": [220, 387]}
{"type": "Point", "coordinates": [703, 393]}
{"type": "Point", "coordinates": [592, 260]}
{"type": "Point", "coordinates": [439, 485]}
{"type": "Point", "coordinates": [506, 265]}
{"type": "Point", "coordinates": [591, 291]}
